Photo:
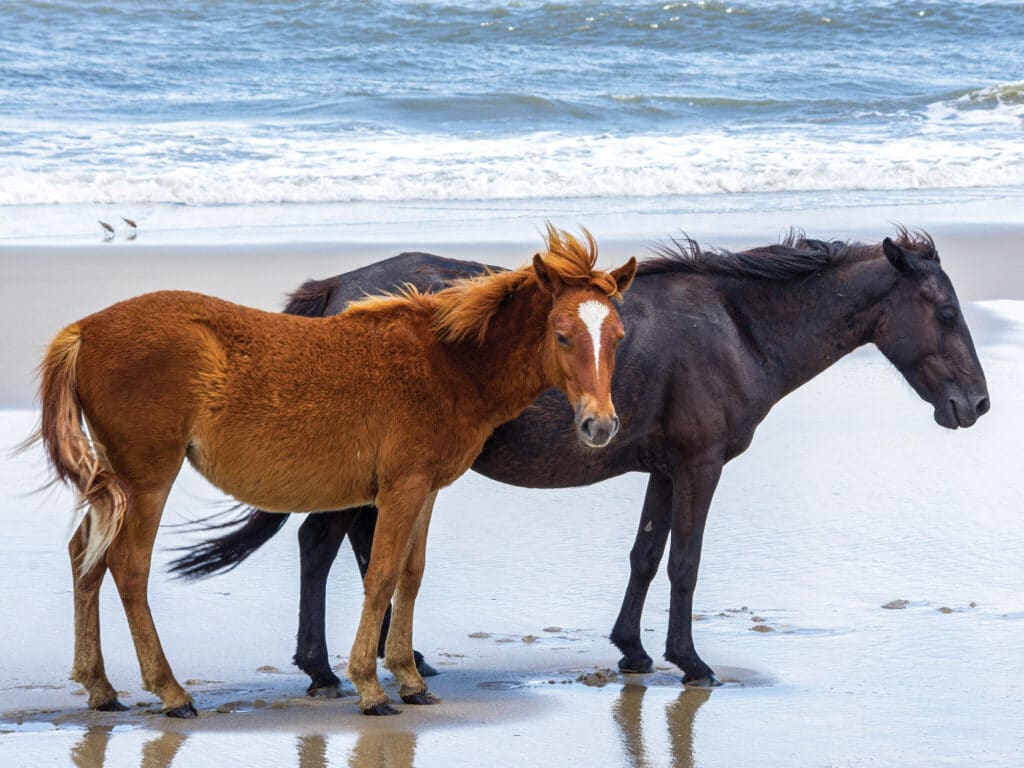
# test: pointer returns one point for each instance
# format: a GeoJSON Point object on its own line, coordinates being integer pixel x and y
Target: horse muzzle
{"type": "Point", "coordinates": [596, 431]}
{"type": "Point", "coordinates": [961, 412]}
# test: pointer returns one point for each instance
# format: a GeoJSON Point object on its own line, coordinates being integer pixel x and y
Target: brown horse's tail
{"type": "Point", "coordinates": [75, 459]}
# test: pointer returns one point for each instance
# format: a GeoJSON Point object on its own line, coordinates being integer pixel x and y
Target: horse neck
{"type": "Point", "coordinates": [800, 327]}
{"type": "Point", "coordinates": [508, 368]}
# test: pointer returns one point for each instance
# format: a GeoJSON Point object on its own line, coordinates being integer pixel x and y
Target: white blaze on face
{"type": "Point", "coordinates": [593, 313]}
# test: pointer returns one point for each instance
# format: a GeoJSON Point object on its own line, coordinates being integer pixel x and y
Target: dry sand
{"type": "Point", "coordinates": [849, 498]}
{"type": "Point", "coordinates": [45, 287]}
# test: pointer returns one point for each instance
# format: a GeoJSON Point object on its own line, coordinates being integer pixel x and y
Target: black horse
{"type": "Point", "coordinates": [714, 340]}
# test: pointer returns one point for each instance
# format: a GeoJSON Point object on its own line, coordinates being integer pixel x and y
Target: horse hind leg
{"type": "Point", "coordinates": [320, 537]}
{"type": "Point", "coordinates": [644, 558]}
{"type": "Point", "coordinates": [88, 668]}
{"type": "Point", "coordinates": [399, 655]}
{"type": "Point", "coordinates": [128, 559]}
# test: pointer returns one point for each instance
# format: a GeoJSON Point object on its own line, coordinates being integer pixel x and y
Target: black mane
{"type": "Point", "coordinates": [794, 256]}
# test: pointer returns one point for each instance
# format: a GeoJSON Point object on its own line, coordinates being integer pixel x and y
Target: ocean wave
{"type": "Point", "coordinates": [999, 106]}
{"type": "Point", "coordinates": [185, 170]}
{"type": "Point", "coordinates": [1002, 93]}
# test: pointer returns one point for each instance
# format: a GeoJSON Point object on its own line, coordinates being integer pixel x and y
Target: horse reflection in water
{"type": "Point", "coordinates": [397, 749]}
{"type": "Point", "coordinates": [680, 714]}
{"type": "Point", "coordinates": [373, 749]}
{"type": "Point", "coordinates": [91, 750]}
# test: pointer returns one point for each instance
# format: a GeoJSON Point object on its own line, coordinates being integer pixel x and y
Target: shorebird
{"type": "Point", "coordinates": [108, 231]}
{"type": "Point", "coordinates": [133, 230]}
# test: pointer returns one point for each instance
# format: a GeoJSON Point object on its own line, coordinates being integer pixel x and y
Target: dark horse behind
{"type": "Point", "coordinates": [715, 340]}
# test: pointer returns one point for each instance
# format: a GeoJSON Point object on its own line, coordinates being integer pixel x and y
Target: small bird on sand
{"type": "Point", "coordinates": [108, 231]}
{"type": "Point", "coordinates": [133, 230]}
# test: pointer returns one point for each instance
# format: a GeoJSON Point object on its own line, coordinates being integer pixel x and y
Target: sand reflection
{"type": "Point", "coordinates": [627, 711]}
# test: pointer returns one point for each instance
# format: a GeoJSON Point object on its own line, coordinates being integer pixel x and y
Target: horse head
{"type": "Point", "coordinates": [923, 333]}
{"type": "Point", "coordinates": [584, 330]}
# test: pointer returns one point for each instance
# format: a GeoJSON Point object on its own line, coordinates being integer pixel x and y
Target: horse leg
{"type": "Point", "coordinates": [651, 536]}
{"type": "Point", "coordinates": [320, 537]}
{"type": "Point", "coordinates": [399, 656]}
{"type": "Point", "coordinates": [398, 507]}
{"type": "Point", "coordinates": [88, 668]}
{"type": "Point", "coordinates": [360, 536]}
{"type": "Point", "coordinates": [129, 560]}
{"type": "Point", "coordinates": [693, 488]}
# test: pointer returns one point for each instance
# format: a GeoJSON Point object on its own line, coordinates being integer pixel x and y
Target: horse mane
{"type": "Point", "coordinates": [463, 310]}
{"type": "Point", "coordinates": [795, 255]}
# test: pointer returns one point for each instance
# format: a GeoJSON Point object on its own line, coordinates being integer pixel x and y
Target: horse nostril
{"type": "Point", "coordinates": [587, 426]}
{"type": "Point", "coordinates": [982, 406]}
{"type": "Point", "coordinates": [615, 424]}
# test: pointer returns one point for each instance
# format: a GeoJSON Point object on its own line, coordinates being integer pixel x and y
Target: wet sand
{"type": "Point", "coordinates": [849, 498]}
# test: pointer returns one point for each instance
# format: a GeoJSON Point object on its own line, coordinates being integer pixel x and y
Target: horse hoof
{"type": "Point", "coordinates": [423, 697]}
{"type": "Point", "coordinates": [710, 681]}
{"type": "Point", "coordinates": [380, 710]}
{"type": "Point", "coordinates": [329, 691]}
{"type": "Point", "coordinates": [186, 711]}
{"type": "Point", "coordinates": [112, 706]}
{"type": "Point", "coordinates": [639, 666]}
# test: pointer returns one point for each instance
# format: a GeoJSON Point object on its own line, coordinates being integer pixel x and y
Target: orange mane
{"type": "Point", "coordinates": [464, 309]}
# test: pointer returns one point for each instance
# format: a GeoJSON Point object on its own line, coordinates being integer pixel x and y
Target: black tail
{"type": "Point", "coordinates": [311, 298]}
{"type": "Point", "coordinates": [224, 553]}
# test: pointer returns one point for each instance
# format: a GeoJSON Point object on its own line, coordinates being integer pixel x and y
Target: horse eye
{"type": "Point", "coordinates": [562, 339]}
{"type": "Point", "coordinates": [948, 315]}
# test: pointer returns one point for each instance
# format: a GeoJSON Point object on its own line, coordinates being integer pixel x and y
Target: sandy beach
{"type": "Point", "coordinates": [45, 287]}
{"type": "Point", "coordinates": [850, 497]}
{"type": "Point", "coordinates": [859, 591]}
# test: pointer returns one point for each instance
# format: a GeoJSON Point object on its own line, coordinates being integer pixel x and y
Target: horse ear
{"type": "Point", "coordinates": [548, 279]}
{"type": "Point", "coordinates": [903, 260]}
{"type": "Point", "coordinates": [624, 275]}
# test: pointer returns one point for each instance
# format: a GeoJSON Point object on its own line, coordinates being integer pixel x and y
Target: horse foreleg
{"type": "Point", "coordinates": [88, 668]}
{"type": "Point", "coordinates": [651, 536]}
{"type": "Point", "coordinates": [129, 559]}
{"type": "Point", "coordinates": [693, 487]}
{"type": "Point", "coordinates": [320, 536]}
{"type": "Point", "coordinates": [360, 536]}
{"type": "Point", "coordinates": [398, 507]}
{"type": "Point", "coordinates": [399, 656]}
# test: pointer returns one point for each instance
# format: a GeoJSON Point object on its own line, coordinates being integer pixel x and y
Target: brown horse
{"type": "Point", "coordinates": [383, 404]}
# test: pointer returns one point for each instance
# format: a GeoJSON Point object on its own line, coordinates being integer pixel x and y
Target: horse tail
{"type": "Point", "coordinates": [311, 298]}
{"type": "Point", "coordinates": [75, 459]}
{"type": "Point", "coordinates": [226, 552]}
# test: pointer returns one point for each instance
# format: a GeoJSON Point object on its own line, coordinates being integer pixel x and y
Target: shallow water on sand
{"type": "Point", "coordinates": [850, 497]}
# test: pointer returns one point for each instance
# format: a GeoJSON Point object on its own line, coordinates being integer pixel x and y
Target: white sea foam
{"type": "Point", "coordinates": [194, 164]}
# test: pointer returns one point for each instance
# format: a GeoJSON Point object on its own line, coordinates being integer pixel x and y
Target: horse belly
{"type": "Point", "coordinates": [285, 478]}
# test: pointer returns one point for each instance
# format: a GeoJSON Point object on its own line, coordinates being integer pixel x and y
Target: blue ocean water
{"type": "Point", "coordinates": [234, 102]}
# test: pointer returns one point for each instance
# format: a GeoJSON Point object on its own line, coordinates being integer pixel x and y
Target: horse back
{"type": "Point", "coordinates": [425, 271]}
{"type": "Point", "coordinates": [267, 406]}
